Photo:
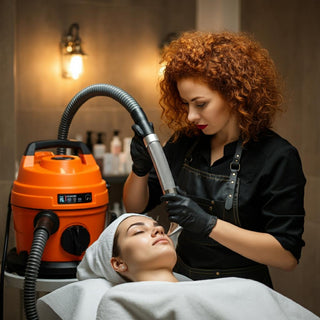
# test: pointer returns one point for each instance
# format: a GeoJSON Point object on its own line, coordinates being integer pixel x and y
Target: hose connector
{"type": "Point", "coordinates": [47, 220]}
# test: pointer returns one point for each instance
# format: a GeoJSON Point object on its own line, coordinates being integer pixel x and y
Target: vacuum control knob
{"type": "Point", "coordinates": [75, 240]}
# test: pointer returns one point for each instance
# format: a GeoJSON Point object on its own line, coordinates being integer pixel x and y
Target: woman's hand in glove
{"type": "Point", "coordinates": [188, 214]}
{"type": "Point", "coordinates": [142, 162]}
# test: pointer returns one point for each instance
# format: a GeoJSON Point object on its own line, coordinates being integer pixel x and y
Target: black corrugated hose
{"type": "Point", "coordinates": [38, 244]}
{"type": "Point", "coordinates": [95, 90]}
{"type": "Point", "coordinates": [46, 223]}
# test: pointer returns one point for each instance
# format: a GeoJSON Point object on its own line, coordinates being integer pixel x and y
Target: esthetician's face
{"type": "Point", "coordinates": [206, 107]}
{"type": "Point", "coordinates": [144, 245]}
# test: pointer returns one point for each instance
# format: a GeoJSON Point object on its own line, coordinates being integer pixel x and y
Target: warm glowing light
{"type": "Point", "coordinates": [69, 48]}
{"type": "Point", "coordinates": [76, 66]}
{"type": "Point", "coordinates": [71, 53]}
{"type": "Point", "coordinates": [72, 65]}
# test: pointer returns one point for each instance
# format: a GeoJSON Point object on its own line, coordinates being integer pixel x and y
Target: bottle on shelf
{"type": "Point", "coordinates": [127, 161]}
{"type": "Point", "coordinates": [99, 150]}
{"type": "Point", "coordinates": [115, 149]}
{"type": "Point", "coordinates": [89, 140]}
{"type": "Point", "coordinates": [116, 144]}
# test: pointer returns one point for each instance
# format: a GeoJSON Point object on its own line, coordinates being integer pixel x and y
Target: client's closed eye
{"type": "Point", "coordinates": [137, 232]}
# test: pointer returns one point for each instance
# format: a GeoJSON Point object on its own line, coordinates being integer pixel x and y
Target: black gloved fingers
{"type": "Point", "coordinates": [138, 137]}
{"type": "Point", "coordinates": [173, 202]}
{"type": "Point", "coordinates": [141, 159]}
{"type": "Point", "coordinates": [188, 214]}
{"type": "Point", "coordinates": [181, 191]}
{"type": "Point", "coordinates": [174, 218]}
{"type": "Point", "coordinates": [138, 131]}
{"type": "Point", "coordinates": [171, 197]}
{"type": "Point", "coordinates": [138, 147]}
{"type": "Point", "coordinates": [175, 209]}
{"type": "Point", "coordinates": [175, 206]}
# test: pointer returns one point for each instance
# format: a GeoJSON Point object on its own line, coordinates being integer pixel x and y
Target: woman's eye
{"type": "Point", "coordinates": [137, 232]}
{"type": "Point", "coordinates": [201, 105]}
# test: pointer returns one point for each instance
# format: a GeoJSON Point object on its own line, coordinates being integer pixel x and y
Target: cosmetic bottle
{"type": "Point", "coordinates": [115, 148]}
{"type": "Point", "coordinates": [116, 144]}
{"type": "Point", "coordinates": [89, 140]}
{"type": "Point", "coordinates": [99, 150]}
{"type": "Point", "coordinates": [127, 155]}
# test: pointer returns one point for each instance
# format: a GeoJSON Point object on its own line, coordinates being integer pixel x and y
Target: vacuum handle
{"type": "Point", "coordinates": [160, 163]}
{"type": "Point", "coordinates": [164, 175]}
{"type": "Point", "coordinates": [44, 144]}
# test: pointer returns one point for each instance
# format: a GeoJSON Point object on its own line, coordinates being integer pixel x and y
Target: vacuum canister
{"type": "Point", "coordinates": [69, 185]}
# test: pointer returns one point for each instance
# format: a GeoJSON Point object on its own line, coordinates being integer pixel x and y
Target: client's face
{"type": "Point", "coordinates": [144, 246]}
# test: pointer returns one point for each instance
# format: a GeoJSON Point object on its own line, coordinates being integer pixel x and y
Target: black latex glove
{"type": "Point", "coordinates": [142, 162]}
{"type": "Point", "coordinates": [188, 214]}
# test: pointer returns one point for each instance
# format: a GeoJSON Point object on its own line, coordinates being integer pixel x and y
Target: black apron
{"type": "Point", "coordinates": [201, 257]}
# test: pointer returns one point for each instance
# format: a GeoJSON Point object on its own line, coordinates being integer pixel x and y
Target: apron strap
{"type": "Point", "coordinates": [234, 170]}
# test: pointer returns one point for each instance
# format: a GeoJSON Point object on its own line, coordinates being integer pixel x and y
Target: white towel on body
{"type": "Point", "coordinates": [218, 299]}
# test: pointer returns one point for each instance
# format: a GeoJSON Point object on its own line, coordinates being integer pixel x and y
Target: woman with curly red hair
{"type": "Point", "coordinates": [241, 186]}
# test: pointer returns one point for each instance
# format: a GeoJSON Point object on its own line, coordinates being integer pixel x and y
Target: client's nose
{"type": "Point", "coordinates": [157, 230]}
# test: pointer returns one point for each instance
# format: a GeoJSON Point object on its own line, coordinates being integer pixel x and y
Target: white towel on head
{"type": "Point", "coordinates": [96, 261]}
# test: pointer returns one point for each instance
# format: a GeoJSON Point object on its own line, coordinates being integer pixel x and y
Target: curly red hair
{"type": "Point", "coordinates": [231, 63]}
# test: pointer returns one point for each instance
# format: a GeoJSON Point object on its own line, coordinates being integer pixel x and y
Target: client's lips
{"type": "Point", "coordinates": [201, 126]}
{"type": "Point", "coordinates": [161, 240]}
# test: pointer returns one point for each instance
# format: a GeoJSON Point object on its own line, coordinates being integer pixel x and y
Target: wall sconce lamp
{"type": "Point", "coordinates": [72, 54]}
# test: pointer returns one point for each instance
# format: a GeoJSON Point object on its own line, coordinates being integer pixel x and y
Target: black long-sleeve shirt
{"type": "Point", "coordinates": [271, 193]}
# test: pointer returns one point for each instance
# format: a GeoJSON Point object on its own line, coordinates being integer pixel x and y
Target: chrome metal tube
{"type": "Point", "coordinates": [160, 163]}
{"type": "Point", "coordinates": [163, 171]}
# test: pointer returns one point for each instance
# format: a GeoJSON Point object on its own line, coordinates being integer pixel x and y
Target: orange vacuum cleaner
{"type": "Point", "coordinates": [69, 186]}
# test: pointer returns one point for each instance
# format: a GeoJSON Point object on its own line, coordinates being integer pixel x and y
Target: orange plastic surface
{"type": "Point", "coordinates": [41, 178]}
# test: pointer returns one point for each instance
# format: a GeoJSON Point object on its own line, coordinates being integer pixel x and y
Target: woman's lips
{"type": "Point", "coordinates": [161, 240]}
{"type": "Point", "coordinates": [201, 126]}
